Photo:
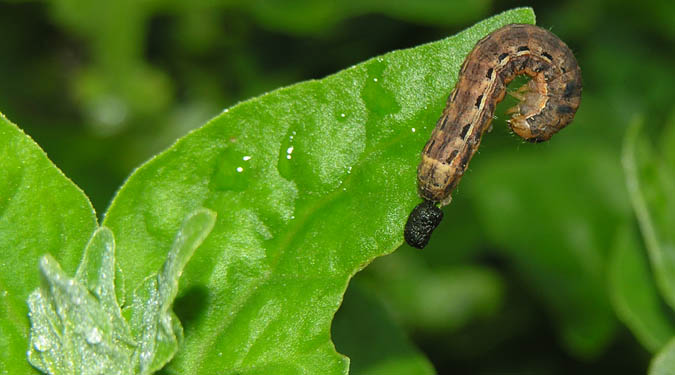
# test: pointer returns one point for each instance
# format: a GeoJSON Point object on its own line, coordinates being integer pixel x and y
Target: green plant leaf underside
{"type": "Point", "coordinates": [77, 325]}
{"type": "Point", "coordinates": [153, 324]}
{"type": "Point", "coordinates": [310, 183]}
{"type": "Point", "coordinates": [76, 330]}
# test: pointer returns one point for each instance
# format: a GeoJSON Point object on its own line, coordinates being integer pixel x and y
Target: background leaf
{"type": "Point", "coordinates": [304, 200]}
{"type": "Point", "coordinates": [364, 331]}
{"type": "Point", "coordinates": [432, 300]}
{"type": "Point", "coordinates": [557, 246]}
{"type": "Point", "coordinates": [664, 362]}
{"type": "Point", "coordinates": [635, 295]}
{"type": "Point", "coordinates": [41, 212]}
{"type": "Point", "coordinates": [651, 185]}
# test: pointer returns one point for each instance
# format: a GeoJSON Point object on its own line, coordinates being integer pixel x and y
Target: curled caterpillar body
{"type": "Point", "coordinates": [547, 104]}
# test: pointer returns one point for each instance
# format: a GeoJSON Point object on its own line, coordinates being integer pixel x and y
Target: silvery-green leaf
{"type": "Point", "coordinates": [153, 323]}
{"type": "Point", "coordinates": [97, 272]}
{"type": "Point", "coordinates": [72, 332]}
{"type": "Point", "coordinates": [77, 324]}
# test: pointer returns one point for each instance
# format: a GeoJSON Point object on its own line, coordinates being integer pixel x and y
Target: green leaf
{"type": "Point", "coordinates": [97, 272]}
{"type": "Point", "coordinates": [651, 185]}
{"type": "Point", "coordinates": [634, 294]}
{"type": "Point", "coordinates": [375, 344]}
{"type": "Point", "coordinates": [664, 362]}
{"type": "Point", "coordinates": [73, 331]}
{"type": "Point", "coordinates": [77, 325]}
{"type": "Point", "coordinates": [310, 183]}
{"type": "Point", "coordinates": [41, 211]}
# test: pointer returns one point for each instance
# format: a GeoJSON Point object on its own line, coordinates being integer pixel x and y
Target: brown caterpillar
{"type": "Point", "coordinates": [547, 104]}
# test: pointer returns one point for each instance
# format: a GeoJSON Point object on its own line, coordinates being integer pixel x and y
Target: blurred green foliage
{"type": "Point", "coordinates": [528, 271]}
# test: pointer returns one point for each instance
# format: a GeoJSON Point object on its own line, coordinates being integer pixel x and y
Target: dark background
{"type": "Point", "coordinates": [104, 85]}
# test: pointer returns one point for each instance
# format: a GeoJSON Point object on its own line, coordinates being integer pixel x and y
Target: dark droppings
{"type": "Point", "coordinates": [421, 223]}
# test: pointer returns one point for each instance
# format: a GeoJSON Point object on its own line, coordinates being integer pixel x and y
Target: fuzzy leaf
{"type": "Point", "coordinates": [77, 325]}
{"type": "Point", "coordinates": [152, 322]}
{"type": "Point", "coordinates": [72, 332]}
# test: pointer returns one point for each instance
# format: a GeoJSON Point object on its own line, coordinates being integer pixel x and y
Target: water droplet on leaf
{"type": "Point", "coordinates": [42, 344]}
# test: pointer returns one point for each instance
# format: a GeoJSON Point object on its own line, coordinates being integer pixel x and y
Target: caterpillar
{"type": "Point", "coordinates": [547, 103]}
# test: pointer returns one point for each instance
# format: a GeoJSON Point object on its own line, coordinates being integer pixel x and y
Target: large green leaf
{"type": "Point", "coordinates": [41, 211]}
{"type": "Point", "coordinates": [310, 183]}
{"type": "Point", "coordinates": [651, 184]}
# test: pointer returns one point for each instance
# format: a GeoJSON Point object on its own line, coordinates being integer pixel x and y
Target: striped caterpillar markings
{"type": "Point", "coordinates": [547, 104]}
